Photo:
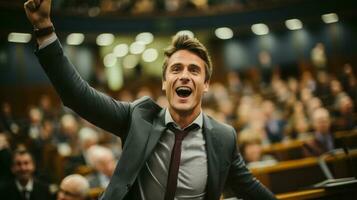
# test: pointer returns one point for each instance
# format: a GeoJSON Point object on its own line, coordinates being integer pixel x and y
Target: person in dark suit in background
{"type": "Point", "coordinates": [24, 186]}
{"type": "Point", "coordinates": [103, 161]}
{"type": "Point", "coordinates": [5, 159]}
{"type": "Point", "coordinates": [151, 166]}
{"type": "Point", "coordinates": [323, 140]}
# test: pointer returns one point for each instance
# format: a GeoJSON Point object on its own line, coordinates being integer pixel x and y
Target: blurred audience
{"type": "Point", "coordinates": [73, 187]}
{"type": "Point", "coordinates": [8, 122]}
{"type": "Point", "coordinates": [250, 145]}
{"type": "Point", "coordinates": [103, 161]}
{"type": "Point", "coordinates": [24, 184]}
{"type": "Point", "coordinates": [323, 138]}
{"type": "Point", "coordinates": [5, 159]}
{"type": "Point", "coordinates": [308, 109]}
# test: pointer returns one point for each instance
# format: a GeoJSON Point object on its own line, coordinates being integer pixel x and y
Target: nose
{"type": "Point", "coordinates": [185, 75]}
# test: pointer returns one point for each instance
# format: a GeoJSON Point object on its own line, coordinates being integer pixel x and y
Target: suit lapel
{"type": "Point", "coordinates": [14, 192]}
{"type": "Point", "coordinates": [212, 158]}
{"type": "Point", "coordinates": [157, 129]}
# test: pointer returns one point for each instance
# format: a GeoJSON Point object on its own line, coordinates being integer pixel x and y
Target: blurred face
{"type": "Point", "coordinates": [35, 116]}
{"type": "Point", "coordinates": [185, 83]}
{"type": "Point", "coordinates": [106, 165]}
{"type": "Point", "coordinates": [253, 152]}
{"type": "Point", "coordinates": [69, 190]}
{"type": "Point", "coordinates": [23, 167]}
{"type": "Point", "coordinates": [346, 105]}
{"type": "Point", "coordinates": [336, 87]}
{"type": "Point", "coordinates": [322, 124]}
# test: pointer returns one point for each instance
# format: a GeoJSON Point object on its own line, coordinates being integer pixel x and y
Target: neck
{"type": "Point", "coordinates": [182, 118]}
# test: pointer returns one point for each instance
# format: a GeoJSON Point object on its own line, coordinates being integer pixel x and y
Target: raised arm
{"type": "Point", "coordinates": [75, 93]}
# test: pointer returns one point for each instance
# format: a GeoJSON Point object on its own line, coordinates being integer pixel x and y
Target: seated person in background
{"type": "Point", "coordinates": [104, 164]}
{"type": "Point", "coordinates": [87, 137]}
{"type": "Point", "coordinates": [274, 124]}
{"type": "Point", "coordinates": [252, 150]}
{"type": "Point", "coordinates": [323, 140]}
{"type": "Point", "coordinates": [73, 187]}
{"type": "Point", "coordinates": [24, 186]}
{"type": "Point", "coordinates": [5, 159]}
{"type": "Point", "coordinates": [343, 116]}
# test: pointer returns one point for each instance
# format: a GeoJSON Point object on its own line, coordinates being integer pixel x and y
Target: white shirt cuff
{"type": "Point", "coordinates": [48, 41]}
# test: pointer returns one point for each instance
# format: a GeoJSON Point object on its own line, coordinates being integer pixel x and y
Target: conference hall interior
{"type": "Point", "coordinates": [284, 76]}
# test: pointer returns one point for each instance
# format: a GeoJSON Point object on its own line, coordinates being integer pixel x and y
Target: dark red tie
{"type": "Point", "coordinates": [175, 159]}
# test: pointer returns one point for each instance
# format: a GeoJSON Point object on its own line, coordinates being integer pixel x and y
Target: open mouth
{"type": "Point", "coordinates": [183, 91]}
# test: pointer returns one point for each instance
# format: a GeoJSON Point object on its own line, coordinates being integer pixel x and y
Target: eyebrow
{"type": "Point", "coordinates": [181, 64]}
{"type": "Point", "coordinates": [194, 66]}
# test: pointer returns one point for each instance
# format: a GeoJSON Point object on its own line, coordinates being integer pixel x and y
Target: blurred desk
{"type": "Point", "coordinates": [304, 194]}
{"type": "Point", "coordinates": [345, 192]}
{"type": "Point", "coordinates": [94, 193]}
{"type": "Point", "coordinates": [287, 150]}
{"type": "Point", "coordinates": [287, 176]}
{"type": "Point", "coordinates": [346, 138]}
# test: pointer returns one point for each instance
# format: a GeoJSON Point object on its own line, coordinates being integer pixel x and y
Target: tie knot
{"type": "Point", "coordinates": [181, 134]}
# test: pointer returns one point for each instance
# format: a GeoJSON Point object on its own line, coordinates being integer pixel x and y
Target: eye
{"type": "Point", "coordinates": [195, 70]}
{"type": "Point", "coordinates": [175, 68]}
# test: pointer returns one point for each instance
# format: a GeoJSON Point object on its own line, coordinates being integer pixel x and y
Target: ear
{"type": "Point", "coordinates": [206, 86]}
{"type": "Point", "coordinates": [163, 86]}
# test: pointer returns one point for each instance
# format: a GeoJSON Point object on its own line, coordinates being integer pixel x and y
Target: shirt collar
{"type": "Point", "coordinates": [168, 119]}
{"type": "Point", "coordinates": [28, 187]}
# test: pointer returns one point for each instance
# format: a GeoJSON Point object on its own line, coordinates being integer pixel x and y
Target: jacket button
{"type": "Point", "coordinates": [128, 186]}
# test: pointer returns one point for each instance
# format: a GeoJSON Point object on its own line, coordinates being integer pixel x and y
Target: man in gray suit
{"type": "Point", "coordinates": [151, 166]}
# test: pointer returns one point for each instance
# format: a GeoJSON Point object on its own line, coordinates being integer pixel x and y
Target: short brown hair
{"type": "Point", "coordinates": [185, 42]}
{"type": "Point", "coordinates": [20, 152]}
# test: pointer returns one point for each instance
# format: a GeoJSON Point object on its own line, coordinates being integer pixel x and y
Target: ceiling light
{"type": "Point", "coordinates": [224, 33]}
{"type": "Point", "coordinates": [19, 37]}
{"type": "Point", "coordinates": [145, 37]}
{"type": "Point", "coordinates": [330, 18]}
{"type": "Point", "coordinates": [105, 39]}
{"type": "Point", "coordinates": [75, 39]}
{"type": "Point", "coordinates": [121, 50]}
{"type": "Point", "coordinates": [109, 60]}
{"type": "Point", "coordinates": [130, 61]}
{"type": "Point", "coordinates": [137, 47]}
{"type": "Point", "coordinates": [260, 29]}
{"type": "Point", "coordinates": [150, 55]}
{"type": "Point", "coordinates": [293, 24]}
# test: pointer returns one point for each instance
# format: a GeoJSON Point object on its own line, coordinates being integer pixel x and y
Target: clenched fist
{"type": "Point", "coordinates": [38, 13]}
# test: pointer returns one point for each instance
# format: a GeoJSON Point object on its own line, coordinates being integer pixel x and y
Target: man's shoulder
{"type": "Point", "coordinates": [8, 189]}
{"type": "Point", "coordinates": [145, 102]}
{"type": "Point", "coordinates": [145, 106]}
{"type": "Point", "coordinates": [226, 132]}
{"type": "Point", "coordinates": [41, 184]}
{"type": "Point", "coordinates": [217, 124]}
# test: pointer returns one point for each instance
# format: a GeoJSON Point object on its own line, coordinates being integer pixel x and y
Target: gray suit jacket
{"type": "Point", "coordinates": [140, 125]}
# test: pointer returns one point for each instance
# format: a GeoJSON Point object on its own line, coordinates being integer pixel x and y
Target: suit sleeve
{"type": "Point", "coordinates": [75, 93]}
{"type": "Point", "coordinates": [243, 183]}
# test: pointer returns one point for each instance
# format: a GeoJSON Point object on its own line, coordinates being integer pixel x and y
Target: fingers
{"type": "Point", "coordinates": [31, 5]}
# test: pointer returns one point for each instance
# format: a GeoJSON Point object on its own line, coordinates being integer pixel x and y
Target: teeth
{"type": "Point", "coordinates": [183, 91]}
{"type": "Point", "coordinates": [183, 88]}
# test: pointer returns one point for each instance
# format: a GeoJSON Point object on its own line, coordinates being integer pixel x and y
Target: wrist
{"type": "Point", "coordinates": [45, 31]}
{"type": "Point", "coordinates": [43, 23]}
